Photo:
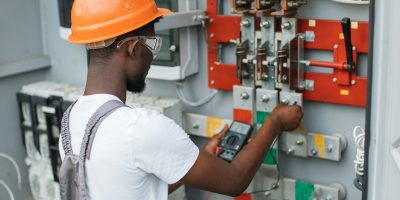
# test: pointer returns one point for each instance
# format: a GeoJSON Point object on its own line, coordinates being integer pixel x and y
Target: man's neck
{"type": "Point", "coordinates": [105, 78]}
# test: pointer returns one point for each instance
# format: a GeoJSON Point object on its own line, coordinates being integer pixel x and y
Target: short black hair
{"type": "Point", "coordinates": [105, 53]}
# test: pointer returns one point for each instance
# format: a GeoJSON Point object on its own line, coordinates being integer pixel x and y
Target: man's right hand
{"type": "Point", "coordinates": [289, 117]}
{"type": "Point", "coordinates": [214, 174]}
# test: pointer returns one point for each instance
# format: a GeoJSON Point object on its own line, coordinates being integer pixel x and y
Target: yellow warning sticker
{"type": "Point", "coordinates": [354, 25]}
{"type": "Point", "coordinates": [344, 92]}
{"type": "Point", "coordinates": [312, 23]}
{"type": "Point", "coordinates": [213, 126]}
{"type": "Point", "coordinates": [341, 36]}
{"type": "Point", "coordinates": [319, 141]}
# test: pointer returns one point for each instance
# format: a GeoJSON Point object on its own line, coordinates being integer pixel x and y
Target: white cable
{"type": "Point", "coordinates": [197, 103]}
{"type": "Point", "coordinates": [359, 138]}
{"type": "Point", "coordinates": [179, 90]}
{"type": "Point", "coordinates": [8, 189]}
{"type": "Point", "coordinates": [16, 168]}
{"type": "Point", "coordinates": [358, 2]}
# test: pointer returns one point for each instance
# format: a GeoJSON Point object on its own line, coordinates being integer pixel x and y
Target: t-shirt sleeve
{"type": "Point", "coordinates": [164, 149]}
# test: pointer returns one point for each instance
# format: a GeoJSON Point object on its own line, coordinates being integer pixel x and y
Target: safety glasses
{"type": "Point", "coordinates": [153, 43]}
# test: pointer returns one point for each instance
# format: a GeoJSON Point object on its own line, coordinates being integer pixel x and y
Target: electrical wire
{"type": "Point", "coordinates": [15, 166]}
{"type": "Point", "coordinates": [197, 103]}
{"type": "Point", "coordinates": [359, 138]}
{"type": "Point", "coordinates": [8, 189]}
{"type": "Point", "coordinates": [357, 2]}
{"type": "Point", "coordinates": [278, 179]}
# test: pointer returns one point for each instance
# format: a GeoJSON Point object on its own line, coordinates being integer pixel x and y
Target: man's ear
{"type": "Point", "coordinates": [132, 48]}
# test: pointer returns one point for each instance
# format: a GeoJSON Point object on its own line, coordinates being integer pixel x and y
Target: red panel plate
{"type": "Point", "coordinates": [245, 116]}
{"type": "Point", "coordinates": [244, 196]}
{"type": "Point", "coordinates": [327, 34]}
{"type": "Point", "coordinates": [325, 90]}
{"type": "Point", "coordinates": [221, 76]}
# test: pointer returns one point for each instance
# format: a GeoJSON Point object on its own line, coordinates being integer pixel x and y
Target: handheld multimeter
{"type": "Point", "coordinates": [234, 140]}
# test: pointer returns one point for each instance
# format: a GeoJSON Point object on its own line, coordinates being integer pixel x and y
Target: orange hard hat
{"type": "Point", "coordinates": [100, 20]}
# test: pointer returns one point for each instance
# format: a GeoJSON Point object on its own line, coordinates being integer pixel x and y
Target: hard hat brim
{"type": "Point", "coordinates": [79, 40]}
{"type": "Point", "coordinates": [163, 12]}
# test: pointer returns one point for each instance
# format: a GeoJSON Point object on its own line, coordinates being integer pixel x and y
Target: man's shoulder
{"type": "Point", "coordinates": [144, 116]}
{"type": "Point", "coordinates": [146, 123]}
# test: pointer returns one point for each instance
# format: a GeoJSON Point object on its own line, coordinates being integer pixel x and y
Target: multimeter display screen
{"type": "Point", "coordinates": [240, 128]}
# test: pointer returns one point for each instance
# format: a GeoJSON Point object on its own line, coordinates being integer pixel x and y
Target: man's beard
{"type": "Point", "coordinates": [137, 85]}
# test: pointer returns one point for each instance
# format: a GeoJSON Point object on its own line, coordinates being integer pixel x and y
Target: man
{"type": "Point", "coordinates": [147, 154]}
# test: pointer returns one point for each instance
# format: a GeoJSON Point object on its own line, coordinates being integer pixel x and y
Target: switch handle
{"type": "Point", "coordinates": [346, 27]}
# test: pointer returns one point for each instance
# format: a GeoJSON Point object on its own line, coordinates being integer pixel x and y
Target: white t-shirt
{"type": "Point", "coordinates": [136, 152]}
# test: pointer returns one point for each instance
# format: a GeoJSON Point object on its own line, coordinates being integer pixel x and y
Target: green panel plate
{"type": "Point", "coordinates": [271, 157]}
{"type": "Point", "coordinates": [261, 116]}
{"type": "Point", "coordinates": [304, 190]}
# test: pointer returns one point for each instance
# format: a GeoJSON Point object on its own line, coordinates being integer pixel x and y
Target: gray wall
{"type": "Point", "coordinates": [69, 65]}
{"type": "Point", "coordinates": [11, 136]}
{"type": "Point", "coordinates": [20, 30]}
{"type": "Point", "coordinates": [20, 39]}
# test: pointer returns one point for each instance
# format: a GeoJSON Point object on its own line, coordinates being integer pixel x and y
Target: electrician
{"type": "Point", "coordinates": [148, 155]}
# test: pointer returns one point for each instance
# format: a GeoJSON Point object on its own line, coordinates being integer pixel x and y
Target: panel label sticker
{"type": "Point", "coordinates": [319, 141]}
{"type": "Point", "coordinates": [214, 125]}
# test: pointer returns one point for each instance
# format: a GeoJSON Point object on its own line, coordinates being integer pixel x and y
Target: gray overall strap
{"type": "Point", "coordinates": [65, 134]}
{"type": "Point", "coordinates": [96, 126]}
{"type": "Point", "coordinates": [104, 111]}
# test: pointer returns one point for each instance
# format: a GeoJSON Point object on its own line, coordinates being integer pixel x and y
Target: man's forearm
{"type": "Point", "coordinates": [175, 186]}
{"type": "Point", "coordinates": [251, 156]}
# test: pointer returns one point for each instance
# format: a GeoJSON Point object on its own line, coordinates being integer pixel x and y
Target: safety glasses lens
{"type": "Point", "coordinates": [153, 44]}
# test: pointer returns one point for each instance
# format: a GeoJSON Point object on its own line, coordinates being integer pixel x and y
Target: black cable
{"type": "Point", "coordinates": [369, 95]}
{"type": "Point", "coordinates": [278, 179]}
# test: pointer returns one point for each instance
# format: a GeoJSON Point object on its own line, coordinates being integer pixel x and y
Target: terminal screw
{"type": "Point", "coordinates": [284, 78]}
{"type": "Point", "coordinates": [299, 142]}
{"type": "Point", "coordinates": [330, 148]}
{"type": "Point", "coordinates": [172, 48]}
{"type": "Point", "coordinates": [290, 150]}
{"type": "Point", "coordinates": [264, 98]}
{"type": "Point", "coordinates": [245, 23]}
{"type": "Point", "coordinates": [296, 4]}
{"type": "Point", "coordinates": [265, 24]}
{"type": "Point", "coordinates": [286, 26]}
{"type": "Point", "coordinates": [314, 152]}
{"type": "Point", "coordinates": [285, 101]}
{"type": "Point", "coordinates": [245, 95]}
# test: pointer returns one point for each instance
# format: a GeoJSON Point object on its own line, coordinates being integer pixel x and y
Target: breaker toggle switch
{"type": "Point", "coordinates": [346, 27]}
